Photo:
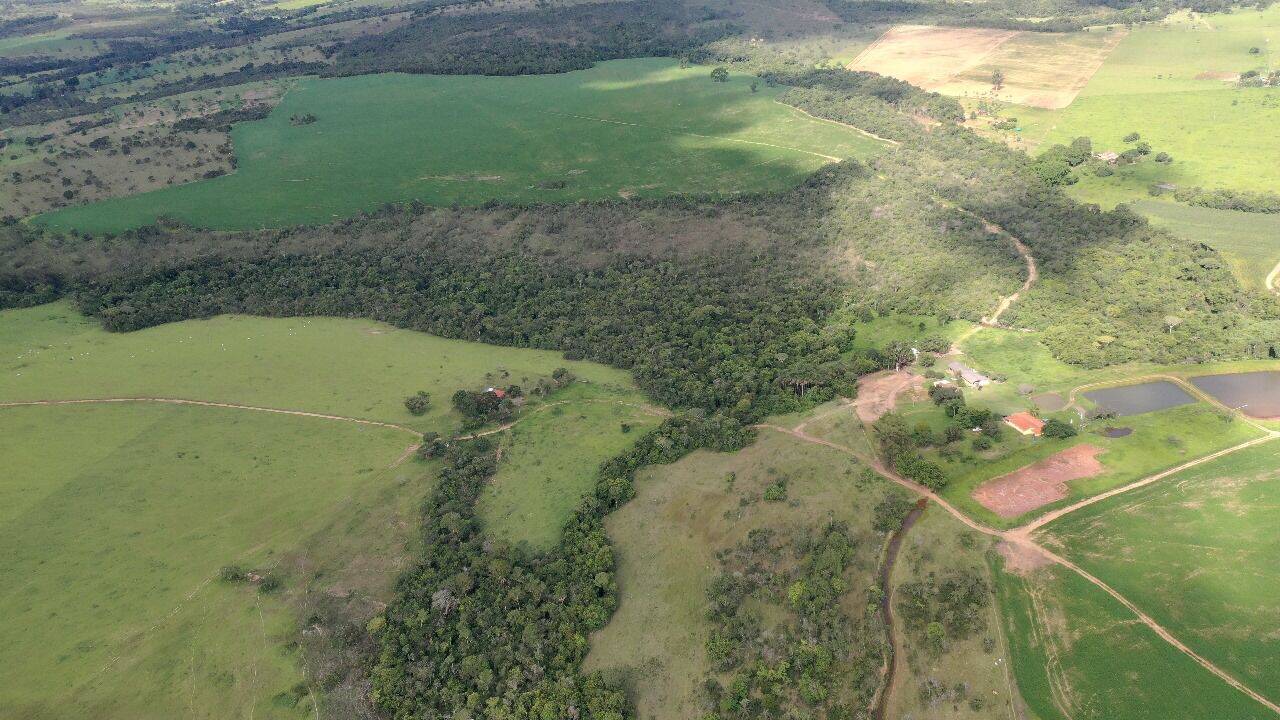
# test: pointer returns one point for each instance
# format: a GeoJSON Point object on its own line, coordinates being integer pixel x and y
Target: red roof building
{"type": "Point", "coordinates": [498, 392]}
{"type": "Point", "coordinates": [1025, 423]}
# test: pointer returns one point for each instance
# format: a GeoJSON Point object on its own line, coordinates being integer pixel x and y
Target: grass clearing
{"type": "Point", "coordinates": [1077, 653]}
{"type": "Point", "coordinates": [1250, 242]}
{"type": "Point", "coordinates": [550, 461]}
{"type": "Point", "coordinates": [627, 128]}
{"type": "Point", "coordinates": [936, 546]}
{"type": "Point", "coordinates": [666, 541]}
{"type": "Point", "coordinates": [116, 522]}
{"type": "Point", "coordinates": [355, 368]}
{"type": "Point", "coordinates": [1197, 552]}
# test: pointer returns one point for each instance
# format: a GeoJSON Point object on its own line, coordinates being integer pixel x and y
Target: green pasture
{"type": "Point", "coordinates": [1160, 440]}
{"type": "Point", "coordinates": [1197, 551]}
{"type": "Point", "coordinates": [355, 368]}
{"type": "Point", "coordinates": [1077, 653]}
{"type": "Point", "coordinates": [115, 522]}
{"type": "Point", "coordinates": [625, 128]}
{"type": "Point", "coordinates": [1250, 242]}
{"type": "Point", "coordinates": [550, 462]}
{"type": "Point", "coordinates": [1154, 83]}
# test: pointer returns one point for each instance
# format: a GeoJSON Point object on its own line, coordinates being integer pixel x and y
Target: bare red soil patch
{"type": "Point", "coordinates": [878, 393]}
{"type": "Point", "coordinates": [1039, 483]}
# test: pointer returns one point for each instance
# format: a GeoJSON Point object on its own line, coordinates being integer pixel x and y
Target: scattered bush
{"type": "Point", "coordinates": [418, 404]}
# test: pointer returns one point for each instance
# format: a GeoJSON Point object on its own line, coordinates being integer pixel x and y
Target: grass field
{"type": "Point", "coordinates": [1249, 241]}
{"type": "Point", "coordinates": [630, 128]}
{"type": "Point", "coordinates": [116, 521]}
{"type": "Point", "coordinates": [551, 463]}
{"type": "Point", "coordinates": [355, 368]}
{"type": "Point", "coordinates": [119, 513]}
{"type": "Point", "coordinates": [1155, 84]}
{"type": "Point", "coordinates": [938, 545]}
{"type": "Point", "coordinates": [1198, 552]}
{"type": "Point", "coordinates": [1079, 654]}
{"type": "Point", "coordinates": [666, 541]}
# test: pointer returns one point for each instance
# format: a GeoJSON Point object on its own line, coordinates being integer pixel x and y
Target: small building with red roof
{"type": "Point", "coordinates": [1025, 423]}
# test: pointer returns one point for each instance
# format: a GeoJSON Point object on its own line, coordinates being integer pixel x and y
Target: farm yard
{"type": "Point", "coordinates": [1018, 476]}
{"type": "Point", "coordinates": [634, 128]}
{"type": "Point", "coordinates": [1197, 551]}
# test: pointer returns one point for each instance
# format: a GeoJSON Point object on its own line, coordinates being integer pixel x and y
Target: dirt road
{"type": "Point", "coordinates": [1021, 537]}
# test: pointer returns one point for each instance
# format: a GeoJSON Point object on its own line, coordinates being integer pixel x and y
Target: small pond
{"type": "Point", "coordinates": [1142, 398]}
{"type": "Point", "coordinates": [1255, 393]}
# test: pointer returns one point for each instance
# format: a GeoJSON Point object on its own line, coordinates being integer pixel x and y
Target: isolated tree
{"type": "Point", "coordinates": [1132, 137]}
{"type": "Point", "coordinates": [720, 74]}
{"type": "Point", "coordinates": [997, 79]}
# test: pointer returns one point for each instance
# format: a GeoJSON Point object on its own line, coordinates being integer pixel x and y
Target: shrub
{"type": "Point", "coordinates": [1132, 137]}
{"type": "Point", "coordinates": [1055, 428]}
{"type": "Point", "coordinates": [418, 404]}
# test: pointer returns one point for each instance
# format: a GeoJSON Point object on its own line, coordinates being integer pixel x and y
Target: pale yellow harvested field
{"type": "Point", "coordinates": [1045, 70]}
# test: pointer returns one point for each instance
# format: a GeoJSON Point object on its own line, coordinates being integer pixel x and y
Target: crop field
{"type": "Point", "coordinates": [666, 541]}
{"type": "Point", "coordinates": [1043, 70]}
{"type": "Point", "coordinates": [641, 128]}
{"type": "Point", "coordinates": [354, 368]}
{"type": "Point", "coordinates": [551, 463]}
{"type": "Point", "coordinates": [1160, 440]}
{"type": "Point", "coordinates": [1077, 653]}
{"type": "Point", "coordinates": [1249, 241]}
{"type": "Point", "coordinates": [116, 521]}
{"type": "Point", "coordinates": [1163, 81]}
{"type": "Point", "coordinates": [1197, 551]}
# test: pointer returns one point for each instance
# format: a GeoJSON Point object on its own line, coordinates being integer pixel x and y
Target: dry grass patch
{"type": "Point", "coordinates": [1045, 70]}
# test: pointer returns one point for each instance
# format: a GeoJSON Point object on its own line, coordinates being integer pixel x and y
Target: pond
{"type": "Point", "coordinates": [1257, 394]}
{"type": "Point", "coordinates": [1141, 398]}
